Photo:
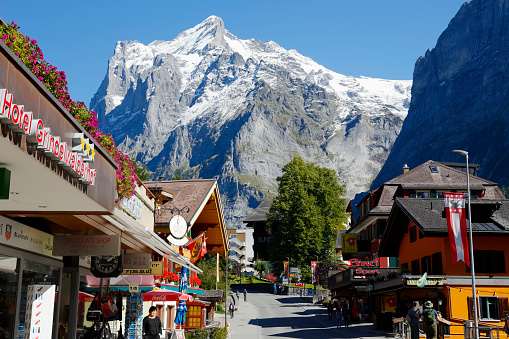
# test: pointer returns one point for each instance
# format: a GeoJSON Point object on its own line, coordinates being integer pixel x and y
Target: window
{"type": "Point", "coordinates": [193, 317]}
{"type": "Point", "coordinates": [436, 263]}
{"type": "Point", "coordinates": [413, 194]}
{"type": "Point", "coordinates": [488, 307]}
{"type": "Point", "coordinates": [233, 244]}
{"type": "Point", "coordinates": [487, 261]}
{"type": "Point", "coordinates": [413, 234]}
{"type": "Point", "coordinates": [415, 267]}
{"type": "Point", "coordinates": [426, 264]}
{"type": "Point", "coordinates": [433, 169]}
{"type": "Point", "coordinates": [404, 268]}
{"type": "Point", "coordinates": [233, 236]}
{"type": "Point", "coordinates": [422, 194]}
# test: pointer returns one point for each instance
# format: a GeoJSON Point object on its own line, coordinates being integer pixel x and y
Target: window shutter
{"type": "Point", "coordinates": [470, 302]}
{"type": "Point", "coordinates": [503, 307]}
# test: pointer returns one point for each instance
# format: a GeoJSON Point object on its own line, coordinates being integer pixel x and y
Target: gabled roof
{"type": "Point", "coordinates": [260, 213]}
{"type": "Point", "coordinates": [199, 202]}
{"type": "Point", "coordinates": [445, 177]}
{"type": "Point", "coordinates": [488, 217]}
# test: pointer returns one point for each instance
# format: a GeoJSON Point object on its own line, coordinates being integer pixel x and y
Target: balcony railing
{"type": "Point", "coordinates": [237, 242]}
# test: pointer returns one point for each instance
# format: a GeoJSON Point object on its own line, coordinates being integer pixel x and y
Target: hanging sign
{"type": "Point", "coordinates": [428, 282]}
{"type": "Point", "coordinates": [156, 268]}
{"type": "Point", "coordinates": [137, 261]}
{"type": "Point", "coordinates": [133, 288]}
{"type": "Point", "coordinates": [178, 230]}
{"type": "Point", "coordinates": [76, 245]}
{"type": "Point", "coordinates": [349, 243]}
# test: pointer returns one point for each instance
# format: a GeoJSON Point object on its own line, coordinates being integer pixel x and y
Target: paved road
{"type": "Point", "coordinates": [273, 316]}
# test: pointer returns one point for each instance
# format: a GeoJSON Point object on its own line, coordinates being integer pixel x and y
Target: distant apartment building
{"type": "Point", "coordinates": [240, 242]}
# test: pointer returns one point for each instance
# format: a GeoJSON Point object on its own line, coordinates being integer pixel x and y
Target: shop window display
{"type": "Point", "coordinates": [35, 273]}
{"type": "Point", "coordinates": [8, 290]}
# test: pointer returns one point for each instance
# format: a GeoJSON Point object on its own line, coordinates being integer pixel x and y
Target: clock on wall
{"type": "Point", "coordinates": [106, 266]}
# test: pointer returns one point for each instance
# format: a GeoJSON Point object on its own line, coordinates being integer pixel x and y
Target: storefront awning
{"type": "Point", "coordinates": [149, 238]}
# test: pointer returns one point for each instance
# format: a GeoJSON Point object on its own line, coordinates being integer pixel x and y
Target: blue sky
{"type": "Point", "coordinates": [374, 38]}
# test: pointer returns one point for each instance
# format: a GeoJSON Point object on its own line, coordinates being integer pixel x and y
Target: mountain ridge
{"type": "Point", "coordinates": [209, 104]}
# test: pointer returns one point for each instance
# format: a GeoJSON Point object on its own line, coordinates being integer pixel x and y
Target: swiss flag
{"type": "Point", "coordinates": [457, 226]}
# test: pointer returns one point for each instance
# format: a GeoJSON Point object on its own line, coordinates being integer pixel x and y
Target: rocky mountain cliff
{"type": "Point", "coordinates": [460, 96]}
{"type": "Point", "coordinates": [211, 105]}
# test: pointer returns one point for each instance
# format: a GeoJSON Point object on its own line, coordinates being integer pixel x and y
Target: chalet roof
{"type": "Point", "coordinates": [444, 177]}
{"type": "Point", "coordinates": [199, 202]}
{"type": "Point", "coordinates": [260, 213]}
{"type": "Point", "coordinates": [488, 217]}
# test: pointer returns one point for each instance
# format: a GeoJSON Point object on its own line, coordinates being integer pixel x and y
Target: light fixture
{"type": "Point", "coordinates": [42, 206]}
{"type": "Point", "coordinates": [14, 193]}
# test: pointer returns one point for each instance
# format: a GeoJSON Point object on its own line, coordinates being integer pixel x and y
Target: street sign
{"type": "Point", "coordinates": [156, 268]}
{"type": "Point", "coordinates": [133, 288]}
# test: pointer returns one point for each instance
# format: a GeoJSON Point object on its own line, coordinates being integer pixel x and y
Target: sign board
{"type": "Point", "coordinates": [389, 302]}
{"type": "Point", "coordinates": [17, 235]}
{"type": "Point", "coordinates": [178, 334]}
{"type": "Point", "coordinates": [39, 311]}
{"type": "Point", "coordinates": [299, 284]}
{"type": "Point", "coordinates": [156, 268]}
{"type": "Point", "coordinates": [285, 281]}
{"type": "Point", "coordinates": [314, 276]}
{"type": "Point", "coordinates": [133, 206]}
{"type": "Point", "coordinates": [349, 243]}
{"type": "Point", "coordinates": [133, 288]}
{"type": "Point", "coordinates": [95, 245]}
{"type": "Point", "coordinates": [137, 261]}
{"type": "Point", "coordinates": [429, 282]}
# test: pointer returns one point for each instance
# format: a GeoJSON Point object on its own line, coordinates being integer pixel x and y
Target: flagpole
{"type": "Point", "coordinates": [472, 269]}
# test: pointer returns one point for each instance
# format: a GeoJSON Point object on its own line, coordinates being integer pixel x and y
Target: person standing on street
{"type": "Point", "coordinates": [245, 295]}
{"type": "Point", "coordinates": [232, 310]}
{"type": "Point", "coordinates": [330, 309]}
{"type": "Point", "coordinates": [345, 312]}
{"type": "Point", "coordinates": [414, 317]}
{"type": "Point", "coordinates": [429, 317]}
{"type": "Point", "coordinates": [275, 289]}
{"type": "Point", "coordinates": [152, 326]}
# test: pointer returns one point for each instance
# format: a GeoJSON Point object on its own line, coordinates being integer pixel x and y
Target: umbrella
{"type": "Point", "coordinates": [85, 297]}
{"type": "Point", "coordinates": [180, 318]}
{"type": "Point", "coordinates": [165, 295]}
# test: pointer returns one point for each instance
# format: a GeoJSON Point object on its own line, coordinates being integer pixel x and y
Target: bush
{"type": "Point", "coordinates": [198, 333]}
{"type": "Point", "coordinates": [219, 333]}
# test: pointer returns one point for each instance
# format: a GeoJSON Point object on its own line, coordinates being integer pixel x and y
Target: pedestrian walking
{"type": "Point", "coordinates": [345, 312]}
{"type": "Point", "coordinates": [152, 327]}
{"type": "Point", "coordinates": [330, 309]}
{"type": "Point", "coordinates": [237, 293]}
{"type": "Point", "coordinates": [413, 316]}
{"type": "Point", "coordinates": [275, 288]}
{"type": "Point", "coordinates": [338, 313]}
{"type": "Point", "coordinates": [232, 310]}
{"type": "Point", "coordinates": [245, 295]}
{"type": "Point", "coordinates": [429, 317]}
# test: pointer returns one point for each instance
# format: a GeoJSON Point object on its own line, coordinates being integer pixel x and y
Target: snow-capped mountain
{"type": "Point", "coordinates": [210, 104]}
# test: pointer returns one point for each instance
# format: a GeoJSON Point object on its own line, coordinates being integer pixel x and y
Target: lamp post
{"type": "Point", "coordinates": [472, 269]}
{"type": "Point", "coordinates": [288, 258]}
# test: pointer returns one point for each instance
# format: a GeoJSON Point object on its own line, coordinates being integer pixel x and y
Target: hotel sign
{"type": "Point", "coordinates": [429, 282]}
{"type": "Point", "coordinates": [74, 159]}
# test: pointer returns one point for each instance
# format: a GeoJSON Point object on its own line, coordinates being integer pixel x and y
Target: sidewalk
{"type": "Point", "coordinates": [244, 323]}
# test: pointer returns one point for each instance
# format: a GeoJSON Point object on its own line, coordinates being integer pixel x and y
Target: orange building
{"type": "Point", "coordinates": [417, 233]}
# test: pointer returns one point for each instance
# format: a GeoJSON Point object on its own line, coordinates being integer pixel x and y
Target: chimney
{"type": "Point", "coordinates": [405, 168]}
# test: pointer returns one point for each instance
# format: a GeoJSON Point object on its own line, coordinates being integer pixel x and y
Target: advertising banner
{"type": "Point", "coordinates": [457, 225]}
{"type": "Point", "coordinates": [39, 311]}
{"type": "Point", "coordinates": [389, 301]}
{"type": "Point", "coordinates": [286, 268]}
{"type": "Point", "coordinates": [17, 235]}
{"type": "Point", "coordinates": [349, 243]}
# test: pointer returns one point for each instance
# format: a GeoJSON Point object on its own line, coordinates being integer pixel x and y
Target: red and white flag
{"type": "Point", "coordinates": [198, 247]}
{"type": "Point", "coordinates": [457, 226]}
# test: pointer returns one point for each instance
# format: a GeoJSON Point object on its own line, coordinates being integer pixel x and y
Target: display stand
{"type": "Point", "coordinates": [134, 316]}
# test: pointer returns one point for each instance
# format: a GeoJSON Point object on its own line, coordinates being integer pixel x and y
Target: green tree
{"type": "Point", "coordinates": [305, 216]}
{"type": "Point", "coordinates": [208, 278]}
{"type": "Point", "coordinates": [260, 266]}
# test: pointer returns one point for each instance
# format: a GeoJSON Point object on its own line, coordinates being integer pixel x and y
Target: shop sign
{"type": "Point", "coordinates": [132, 206]}
{"type": "Point", "coordinates": [299, 284]}
{"type": "Point", "coordinates": [133, 288]}
{"type": "Point", "coordinates": [178, 230]}
{"type": "Point", "coordinates": [137, 261]}
{"type": "Point", "coordinates": [389, 301]}
{"type": "Point", "coordinates": [349, 243]}
{"type": "Point", "coordinates": [429, 282]}
{"type": "Point", "coordinates": [17, 235]}
{"type": "Point", "coordinates": [95, 245]}
{"type": "Point", "coordinates": [74, 160]}
{"type": "Point", "coordinates": [365, 267]}
{"type": "Point", "coordinates": [156, 268]}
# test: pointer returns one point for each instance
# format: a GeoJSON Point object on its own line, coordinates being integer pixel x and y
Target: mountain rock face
{"type": "Point", "coordinates": [460, 96]}
{"type": "Point", "coordinates": [211, 105]}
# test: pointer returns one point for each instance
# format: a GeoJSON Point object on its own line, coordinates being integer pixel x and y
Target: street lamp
{"type": "Point", "coordinates": [476, 328]}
